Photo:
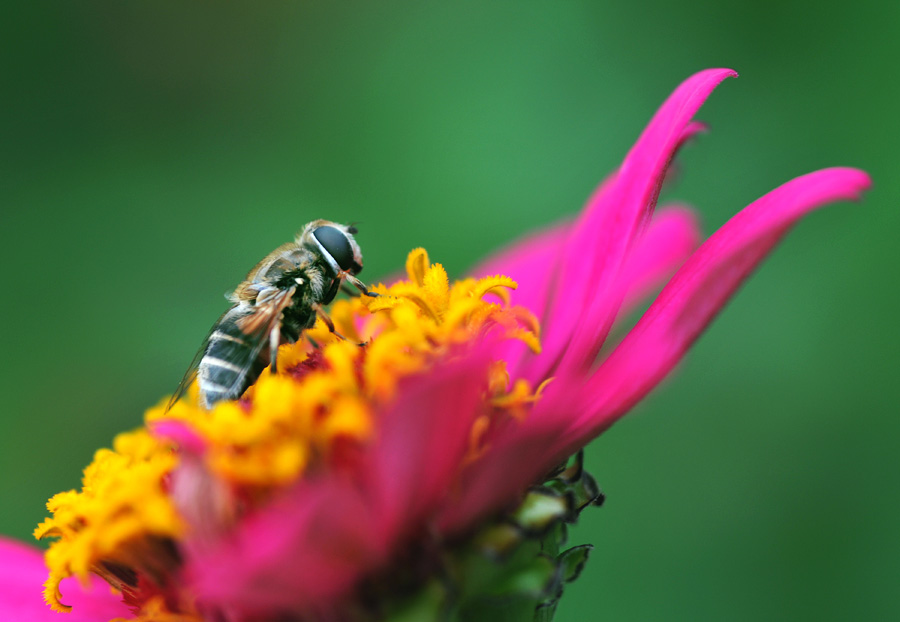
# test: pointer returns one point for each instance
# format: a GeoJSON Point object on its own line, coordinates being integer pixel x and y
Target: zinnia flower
{"type": "Point", "coordinates": [403, 476]}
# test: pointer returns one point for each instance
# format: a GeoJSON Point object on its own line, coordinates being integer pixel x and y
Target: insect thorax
{"type": "Point", "coordinates": [315, 285]}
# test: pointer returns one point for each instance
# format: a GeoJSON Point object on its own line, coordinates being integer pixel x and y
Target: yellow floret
{"type": "Point", "coordinates": [123, 498]}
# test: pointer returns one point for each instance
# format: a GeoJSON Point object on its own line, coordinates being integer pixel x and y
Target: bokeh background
{"type": "Point", "coordinates": [152, 152]}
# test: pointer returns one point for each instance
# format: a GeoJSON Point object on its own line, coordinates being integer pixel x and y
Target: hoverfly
{"type": "Point", "coordinates": [280, 298]}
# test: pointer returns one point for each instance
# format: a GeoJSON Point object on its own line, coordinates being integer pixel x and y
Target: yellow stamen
{"type": "Point", "coordinates": [416, 265]}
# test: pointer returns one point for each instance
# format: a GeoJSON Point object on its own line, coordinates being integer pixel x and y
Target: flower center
{"type": "Point", "coordinates": [312, 416]}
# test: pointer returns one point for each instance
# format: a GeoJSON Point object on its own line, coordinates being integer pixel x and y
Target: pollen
{"type": "Point", "coordinates": [123, 501]}
{"type": "Point", "coordinates": [324, 401]}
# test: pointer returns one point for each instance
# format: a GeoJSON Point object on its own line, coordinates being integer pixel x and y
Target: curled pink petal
{"type": "Point", "coordinates": [605, 231]}
{"type": "Point", "coordinates": [522, 454]}
{"type": "Point", "coordinates": [697, 292]}
{"type": "Point", "coordinates": [22, 573]}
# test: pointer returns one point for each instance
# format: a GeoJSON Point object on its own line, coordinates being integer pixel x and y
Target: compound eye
{"type": "Point", "coordinates": [335, 242]}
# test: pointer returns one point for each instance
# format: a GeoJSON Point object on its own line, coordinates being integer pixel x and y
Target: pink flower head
{"type": "Point", "coordinates": [342, 472]}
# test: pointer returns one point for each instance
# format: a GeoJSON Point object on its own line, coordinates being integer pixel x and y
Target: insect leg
{"type": "Point", "coordinates": [355, 282]}
{"type": "Point", "coordinates": [321, 313]}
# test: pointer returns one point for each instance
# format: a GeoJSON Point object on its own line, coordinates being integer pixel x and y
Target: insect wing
{"type": "Point", "coordinates": [258, 327]}
{"type": "Point", "coordinates": [191, 374]}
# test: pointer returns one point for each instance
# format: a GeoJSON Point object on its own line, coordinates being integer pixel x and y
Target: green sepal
{"type": "Point", "coordinates": [532, 579]}
{"type": "Point", "coordinates": [578, 484]}
{"type": "Point", "coordinates": [510, 589]}
{"type": "Point", "coordinates": [572, 561]}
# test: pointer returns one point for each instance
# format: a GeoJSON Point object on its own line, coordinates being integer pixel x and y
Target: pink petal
{"type": "Point", "coordinates": [584, 299]}
{"type": "Point", "coordinates": [22, 575]}
{"type": "Point", "coordinates": [697, 292]}
{"type": "Point", "coordinates": [517, 457]}
{"type": "Point", "coordinates": [670, 239]}
{"type": "Point", "coordinates": [300, 552]}
{"type": "Point", "coordinates": [423, 439]}
{"type": "Point", "coordinates": [520, 455]}
{"type": "Point", "coordinates": [179, 433]}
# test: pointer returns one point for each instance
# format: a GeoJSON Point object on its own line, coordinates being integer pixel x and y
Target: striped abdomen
{"type": "Point", "coordinates": [232, 360]}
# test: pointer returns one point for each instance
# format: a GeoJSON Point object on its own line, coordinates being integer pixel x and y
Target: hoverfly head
{"type": "Point", "coordinates": [336, 244]}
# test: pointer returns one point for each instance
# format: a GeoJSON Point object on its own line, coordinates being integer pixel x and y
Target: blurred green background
{"type": "Point", "coordinates": [151, 153]}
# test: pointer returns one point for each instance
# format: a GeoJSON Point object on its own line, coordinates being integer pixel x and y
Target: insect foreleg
{"type": "Point", "coordinates": [355, 282]}
{"type": "Point", "coordinates": [324, 316]}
